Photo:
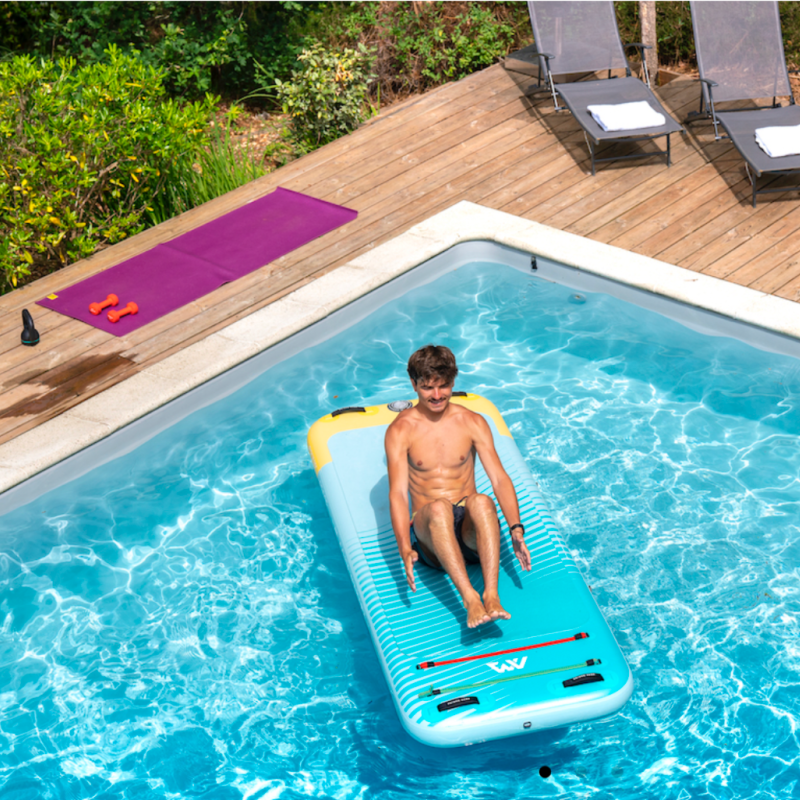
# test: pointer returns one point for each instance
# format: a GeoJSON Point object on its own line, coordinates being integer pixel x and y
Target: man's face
{"type": "Point", "coordinates": [434, 394]}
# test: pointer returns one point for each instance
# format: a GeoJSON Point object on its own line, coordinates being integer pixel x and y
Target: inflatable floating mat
{"type": "Point", "coordinates": [554, 663]}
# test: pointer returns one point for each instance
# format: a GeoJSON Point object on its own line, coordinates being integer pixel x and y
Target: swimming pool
{"type": "Point", "coordinates": [178, 622]}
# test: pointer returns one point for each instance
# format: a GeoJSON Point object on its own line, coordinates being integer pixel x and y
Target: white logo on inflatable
{"type": "Point", "coordinates": [509, 665]}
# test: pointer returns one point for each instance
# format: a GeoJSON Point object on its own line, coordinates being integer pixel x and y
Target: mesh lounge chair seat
{"type": "Point", "coordinates": [740, 57]}
{"type": "Point", "coordinates": [579, 37]}
{"type": "Point", "coordinates": [741, 127]}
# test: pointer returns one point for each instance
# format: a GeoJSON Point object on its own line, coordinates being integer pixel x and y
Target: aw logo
{"type": "Point", "coordinates": [509, 664]}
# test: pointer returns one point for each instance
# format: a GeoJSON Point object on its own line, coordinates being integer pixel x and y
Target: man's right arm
{"type": "Point", "coordinates": [397, 464]}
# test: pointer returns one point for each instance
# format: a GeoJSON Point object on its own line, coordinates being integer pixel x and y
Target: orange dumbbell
{"type": "Point", "coordinates": [131, 308]}
{"type": "Point", "coordinates": [96, 308]}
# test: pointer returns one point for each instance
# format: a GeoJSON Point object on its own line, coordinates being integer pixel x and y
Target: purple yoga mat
{"type": "Point", "coordinates": [173, 274]}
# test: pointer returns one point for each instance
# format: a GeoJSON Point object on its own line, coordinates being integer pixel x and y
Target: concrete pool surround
{"type": "Point", "coordinates": [111, 410]}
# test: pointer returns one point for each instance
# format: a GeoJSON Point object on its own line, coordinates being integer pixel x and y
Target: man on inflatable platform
{"type": "Point", "coordinates": [430, 452]}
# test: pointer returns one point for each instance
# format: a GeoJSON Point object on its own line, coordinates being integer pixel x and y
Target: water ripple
{"type": "Point", "coordinates": [179, 623]}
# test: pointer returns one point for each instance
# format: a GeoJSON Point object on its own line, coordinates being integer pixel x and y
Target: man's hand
{"type": "Point", "coordinates": [521, 550]}
{"type": "Point", "coordinates": [409, 559]}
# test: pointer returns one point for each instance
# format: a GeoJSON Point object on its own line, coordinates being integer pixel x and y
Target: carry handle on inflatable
{"type": "Point", "coordinates": [349, 410]}
{"type": "Point", "coordinates": [587, 677]}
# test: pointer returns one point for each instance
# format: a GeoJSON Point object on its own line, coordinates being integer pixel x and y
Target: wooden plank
{"type": "Point", "coordinates": [234, 298]}
{"type": "Point", "coordinates": [355, 187]}
{"type": "Point", "coordinates": [715, 240]}
{"type": "Point", "coordinates": [676, 221]}
{"type": "Point", "coordinates": [774, 239]}
{"type": "Point", "coordinates": [778, 277]}
{"type": "Point", "coordinates": [63, 388]}
{"type": "Point", "coordinates": [612, 182]}
{"type": "Point", "coordinates": [584, 207]}
{"type": "Point", "coordinates": [698, 188]}
{"type": "Point", "coordinates": [630, 199]}
{"type": "Point", "coordinates": [791, 290]}
{"type": "Point", "coordinates": [25, 364]}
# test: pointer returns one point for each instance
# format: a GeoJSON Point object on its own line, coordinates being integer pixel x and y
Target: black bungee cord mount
{"type": "Point", "coordinates": [30, 336]}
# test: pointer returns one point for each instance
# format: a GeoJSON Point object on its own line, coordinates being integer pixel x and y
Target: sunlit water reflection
{"type": "Point", "coordinates": [179, 622]}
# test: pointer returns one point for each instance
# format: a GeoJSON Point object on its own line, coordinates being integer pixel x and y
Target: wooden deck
{"type": "Point", "coordinates": [481, 139]}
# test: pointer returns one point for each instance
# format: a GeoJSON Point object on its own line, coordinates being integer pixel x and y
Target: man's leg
{"type": "Point", "coordinates": [481, 532]}
{"type": "Point", "coordinates": [433, 525]}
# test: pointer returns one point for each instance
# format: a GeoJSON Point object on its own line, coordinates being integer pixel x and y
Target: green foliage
{"type": "Point", "coordinates": [200, 46]}
{"type": "Point", "coordinates": [82, 153]}
{"type": "Point", "coordinates": [673, 29]}
{"type": "Point", "coordinates": [192, 63]}
{"type": "Point", "coordinates": [421, 45]}
{"type": "Point", "coordinates": [790, 24]}
{"type": "Point", "coordinates": [327, 96]}
{"type": "Point", "coordinates": [219, 168]}
{"type": "Point", "coordinates": [443, 53]}
{"type": "Point", "coordinates": [214, 46]}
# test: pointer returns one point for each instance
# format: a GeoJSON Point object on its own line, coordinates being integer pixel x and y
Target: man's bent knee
{"type": "Point", "coordinates": [441, 512]}
{"type": "Point", "coordinates": [480, 504]}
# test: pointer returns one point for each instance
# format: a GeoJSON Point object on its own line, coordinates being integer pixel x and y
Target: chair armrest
{"type": "Point", "coordinates": [711, 85]}
{"type": "Point", "coordinates": [641, 47]}
{"type": "Point", "coordinates": [546, 57]}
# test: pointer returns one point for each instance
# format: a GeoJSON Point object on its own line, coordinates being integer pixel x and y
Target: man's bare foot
{"type": "Point", "coordinates": [493, 608]}
{"type": "Point", "coordinates": [476, 613]}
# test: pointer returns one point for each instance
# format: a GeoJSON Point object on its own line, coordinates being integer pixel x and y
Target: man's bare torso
{"type": "Point", "coordinates": [441, 455]}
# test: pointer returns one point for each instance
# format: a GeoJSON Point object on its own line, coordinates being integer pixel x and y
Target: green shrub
{"type": "Point", "coordinates": [202, 46]}
{"type": "Point", "coordinates": [790, 25]}
{"type": "Point", "coordinates": [435, 51]}
{"type": "Point", "coordinates": [83, 152]}
{"type": "Point", "coordinates": [421, 45]}
{"type": "Point", "coordinates": [327, 97]}
{"type": "Point", "coordinates": [218, 168]}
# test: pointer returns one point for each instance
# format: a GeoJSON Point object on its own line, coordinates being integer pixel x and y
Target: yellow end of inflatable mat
{"type": "Point", "coordinates": [321, 431]}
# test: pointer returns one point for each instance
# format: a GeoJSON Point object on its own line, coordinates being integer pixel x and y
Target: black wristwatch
{"type": "Point", "coordinates": [518, 525]}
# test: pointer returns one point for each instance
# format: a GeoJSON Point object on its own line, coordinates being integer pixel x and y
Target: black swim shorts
{"type": "Point", "coordinates": [459, 512]}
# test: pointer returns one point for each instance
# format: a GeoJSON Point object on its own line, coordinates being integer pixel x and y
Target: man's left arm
{"type": "Point", "coordinates": [503, 487]}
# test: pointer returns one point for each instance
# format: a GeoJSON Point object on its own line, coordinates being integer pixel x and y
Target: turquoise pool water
{"type": "Point", "coordinates": [180, 623]}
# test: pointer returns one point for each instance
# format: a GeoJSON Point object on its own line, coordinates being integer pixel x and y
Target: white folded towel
{"type": "Point", "coordinates": [626, 116]}
{"type": "Point", "coordinates": [779, 141]}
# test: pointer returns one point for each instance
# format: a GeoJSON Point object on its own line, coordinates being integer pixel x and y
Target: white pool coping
{"type": "Point", "coordinates": [103, 414]}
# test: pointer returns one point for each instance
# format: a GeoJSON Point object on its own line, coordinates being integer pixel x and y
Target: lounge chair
{"type": "Point", "coordinates": [740, 57]}
{"type": "Point", "coordinates": [582, 37]}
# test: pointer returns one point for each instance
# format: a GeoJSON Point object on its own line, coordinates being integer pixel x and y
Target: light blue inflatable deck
{"type": "Point", "coordinates": [557, 633]}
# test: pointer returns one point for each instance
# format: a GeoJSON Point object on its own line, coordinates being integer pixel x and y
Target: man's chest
{"type": "Point", "coordinates": [443, 450]}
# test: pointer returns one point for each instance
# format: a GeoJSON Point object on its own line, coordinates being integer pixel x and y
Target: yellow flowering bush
{"type": "Point", "coordinates": [83, 152]}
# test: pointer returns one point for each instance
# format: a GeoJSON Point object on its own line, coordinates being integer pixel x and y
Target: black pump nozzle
{"type": "Point", "coordinates": [30, 335]}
